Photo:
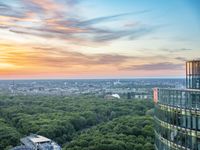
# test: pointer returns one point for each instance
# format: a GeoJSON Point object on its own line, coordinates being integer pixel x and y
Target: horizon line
{"type": "Point", "coordinates": [97, 78]}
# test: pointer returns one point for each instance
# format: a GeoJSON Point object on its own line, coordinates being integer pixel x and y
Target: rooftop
{"type": "Point", "coordinates": [38, 139]}
{"type": "Point", "coordinates": [37, 142]}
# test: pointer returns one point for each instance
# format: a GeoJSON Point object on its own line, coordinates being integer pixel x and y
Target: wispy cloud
{"type": "Point", "coordinates": [130, 34]}
{"type": "Point", "coordinates": [156, 66]}
{"type": "Point", "coordinates": [109, 18]}
{"type": "Point", "coordinates": [40, 60]}
{"type": "Point", "coordinates": [176, 50]}
{"type": "Point", "coordinates": [54, 57]}
{"type": "Point", "coordinates": [8, 11]}
{"type": "Point", "coordinates": [51, 18]}
{"type": "Point", "coordinates": [181, 58]}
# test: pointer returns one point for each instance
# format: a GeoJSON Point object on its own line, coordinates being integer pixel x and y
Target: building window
{"type": "Point", "coordinates": [189, 122]}
{"type": "Point", "coordinates": [198, 127]}
{"type": "Point", "coordinates": [193, 122]}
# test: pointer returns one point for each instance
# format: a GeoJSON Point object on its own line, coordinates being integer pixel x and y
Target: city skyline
{"type": "Point", "coordinates": [97, 39]}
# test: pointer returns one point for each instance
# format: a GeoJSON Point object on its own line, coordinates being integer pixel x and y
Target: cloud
{"type": "Point", "coordinates": [108, 18]}
{"type": "Point", "coordinates": [56, 19]}
{"type": "Point", "coordinates": [114, 59]}
{"type": "Point", "coordinates": [3, 6]}
{"type": "Point", "coordinates": [181, 58]}
{"type": "Point", "coordinates": [131, 34]}
{"type": "Point", "coordinates": [58, 58]}
{"type": "Point", "coordinates": [71, 2]}
{"type": "Point", "coordinates": [45, 6]}
{"type": "Point", "coordinates": [3, 27]}
{"type": "Point", "coordinates": [74, 34]}
{"type": "Point", "coordinates": [71, 57]}
{"type": "Point", "coordinates": [40, 59]}
{"type": "Point", "coordinates": [176, 50]}
{"type": "Point", "coordinates": [13, 12]}
{"type": "Point", "coordinates": [155, 66]}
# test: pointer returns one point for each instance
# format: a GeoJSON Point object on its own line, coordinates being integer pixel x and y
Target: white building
{"type": "Point", "coordinates": [37, 142]}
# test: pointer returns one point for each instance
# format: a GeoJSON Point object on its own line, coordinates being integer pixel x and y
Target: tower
{"type": "Point", "coordinates": [177, 113]}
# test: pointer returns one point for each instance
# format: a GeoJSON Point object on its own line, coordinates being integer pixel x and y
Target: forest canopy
{"type": "Point", "coordinates": [83, 122]}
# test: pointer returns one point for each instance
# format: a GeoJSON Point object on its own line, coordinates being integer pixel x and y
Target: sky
{"type": "Point", "coordinates": [44, 39]}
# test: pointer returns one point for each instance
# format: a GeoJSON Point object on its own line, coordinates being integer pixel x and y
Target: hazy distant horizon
{"type": "Point", "coordinates": [100, 78]}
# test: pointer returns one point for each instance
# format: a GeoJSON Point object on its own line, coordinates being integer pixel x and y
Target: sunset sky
{"type": "Point", "coordinates": [97, 38]}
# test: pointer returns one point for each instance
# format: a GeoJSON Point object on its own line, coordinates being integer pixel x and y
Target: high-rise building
{"type": "Point", "coordinates": [177, 113]}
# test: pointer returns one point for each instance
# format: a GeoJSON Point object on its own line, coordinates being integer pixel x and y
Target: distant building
{"type": "Point", "coordinates": [37, 142]}
{"type": "Point", "coordinates": [117, 82]}
{"type": "Point", "coordinates": [128, 95]}
{"type": "Point", "coordinates": [112, 96]}
{"type": "Point", "coordinates": [177, 113]}
{"type": "Point", "coordinates": [141, 95]}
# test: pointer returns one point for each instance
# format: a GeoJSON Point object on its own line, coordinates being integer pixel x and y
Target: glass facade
{"type": "Point", "coordinates": [193, 74]}
{"type": "Point", "coordinates": [177, 114]}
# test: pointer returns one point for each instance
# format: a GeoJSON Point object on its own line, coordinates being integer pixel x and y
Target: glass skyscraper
{"type": "Point", "coordinates": [177, 113]}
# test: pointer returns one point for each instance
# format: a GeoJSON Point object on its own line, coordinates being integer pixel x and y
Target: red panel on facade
{"type": "Point", "coordinates": [155, 95]}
